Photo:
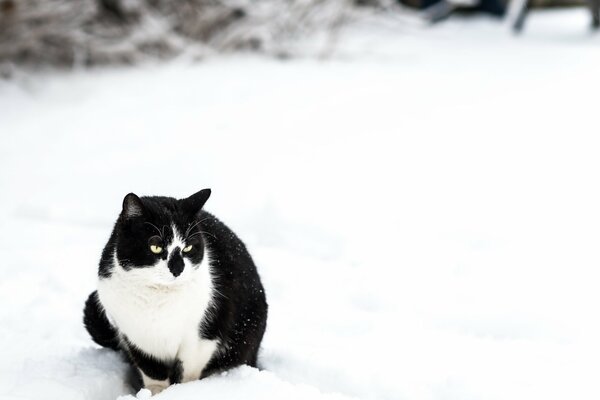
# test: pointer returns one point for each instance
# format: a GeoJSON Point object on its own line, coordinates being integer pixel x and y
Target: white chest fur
{"type": "Point", "coordinates": [160, 319]}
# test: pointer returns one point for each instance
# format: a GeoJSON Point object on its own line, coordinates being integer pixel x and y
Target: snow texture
{"type": "Point", "coordinates": [423, 208]}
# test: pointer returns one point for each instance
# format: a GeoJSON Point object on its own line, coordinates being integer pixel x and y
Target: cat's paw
{"type": "Point", "coordinates": [156, 388]}
{"type": "Point", "coordinates": [153, 385]}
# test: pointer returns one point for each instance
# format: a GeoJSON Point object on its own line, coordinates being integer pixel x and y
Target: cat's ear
{"type": "Point", "coordinates": [132, 206]}
{"type": "Point", "coordinates": [195, 202]}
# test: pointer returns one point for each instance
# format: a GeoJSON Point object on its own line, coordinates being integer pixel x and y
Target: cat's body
{"type": "Point", "coordinates": [177, 292]}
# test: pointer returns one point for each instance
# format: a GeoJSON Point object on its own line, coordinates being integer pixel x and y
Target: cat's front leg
{"type": "Point", "coordinates": [155, 373]}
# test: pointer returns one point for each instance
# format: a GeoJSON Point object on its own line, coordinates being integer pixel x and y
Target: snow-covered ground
{"type": "Point", "coordinates": [424, 209]}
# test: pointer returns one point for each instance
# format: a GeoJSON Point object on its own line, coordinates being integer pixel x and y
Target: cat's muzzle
{"type": "Point", "coordinates": [175, 263]}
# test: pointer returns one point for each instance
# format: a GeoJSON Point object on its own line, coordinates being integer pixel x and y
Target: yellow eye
{"type": "Point", "coordinates": [155, 249]}
{"type": "Point", "coordinates": [187, 249]}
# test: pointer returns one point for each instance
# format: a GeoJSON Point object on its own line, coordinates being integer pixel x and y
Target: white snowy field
{"type": "Point", "coordinates": [424, 209]}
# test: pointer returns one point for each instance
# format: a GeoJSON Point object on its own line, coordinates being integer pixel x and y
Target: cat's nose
{"type": "Point", "coordinates": [175, 263]}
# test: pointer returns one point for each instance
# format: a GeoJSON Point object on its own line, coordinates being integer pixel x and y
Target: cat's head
{"type": "Point", "coordinates": [159, 239]}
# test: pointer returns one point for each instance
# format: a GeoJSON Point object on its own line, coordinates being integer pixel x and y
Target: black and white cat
{"type": "Point", "coordinates": [178, 292]}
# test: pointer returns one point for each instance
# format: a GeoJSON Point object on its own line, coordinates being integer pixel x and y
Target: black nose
{"type": "Point", "coordinates": [175, 263]}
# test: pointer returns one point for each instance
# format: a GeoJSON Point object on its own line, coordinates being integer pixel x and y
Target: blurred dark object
{"type": "Point", "coordinates": [520, 8]}
{"type": "Point", "coordinates": [436, 10]}
{"type": "Point", "coordinates": [444, 8]}
{"type": "Point", "coordinates": [113, 8]}
{"type": "Point", "coordinates": [422, 4]}
{"type": "Point", "coordinates": [419, 4]}
{"type": "Point", "coordinates": [7, 7]}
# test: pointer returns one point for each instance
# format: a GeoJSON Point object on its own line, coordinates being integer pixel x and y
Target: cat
{"type": "Point", "coordinates": [178, 293]}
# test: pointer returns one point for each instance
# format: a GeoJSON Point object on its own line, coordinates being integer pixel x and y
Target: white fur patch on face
{"type": "Point", "coordinates": [159, 273]}
{"type": "Point", "coordinates": [178, 240]}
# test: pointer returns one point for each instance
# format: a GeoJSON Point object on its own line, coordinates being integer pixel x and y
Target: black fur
{"type": "Point", "coordinates": [97, 324]}
{"type": "Point", "coordinates": [155, 369]}
{"type": "Point", "coordinates": [176, 262]}
{"type": "Point", "coordinates": [238, 315]}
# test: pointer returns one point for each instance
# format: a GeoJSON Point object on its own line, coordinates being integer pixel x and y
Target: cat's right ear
{"type": "Point", "coordinates": [132, 206]}
{"type": "Point", "coordinates": [195, 202]}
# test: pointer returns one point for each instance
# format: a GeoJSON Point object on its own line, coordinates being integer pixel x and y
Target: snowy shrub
{"type": "Point", "coordinates": [70, 33]}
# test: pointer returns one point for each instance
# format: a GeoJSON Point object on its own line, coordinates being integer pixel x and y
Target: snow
{"type": "Point", "coordinates": [423, 208]}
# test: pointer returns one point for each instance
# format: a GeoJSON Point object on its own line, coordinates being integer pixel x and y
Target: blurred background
{"type": "Point", "coordinates": [416, 181]}
{"type": "Point", "coordinates": [84, 33]}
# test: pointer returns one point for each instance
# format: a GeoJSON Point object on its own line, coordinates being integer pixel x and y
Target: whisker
{"type": "Point", "coordinates": [155, 227]}
{"type": "Point", "coordinates": [189, 229]}
{"type": "Point", "coordinates": [218, 292]}
{"type": "Point", "coordinates": [192, 226]}
{"type": "Point", "coordinates": [199, 232]}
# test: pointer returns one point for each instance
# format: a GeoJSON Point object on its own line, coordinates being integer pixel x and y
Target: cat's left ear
{"type": "Point", "coordinates": [195, 202]}
{"type": "Point", "coordinates": [132, 206]}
